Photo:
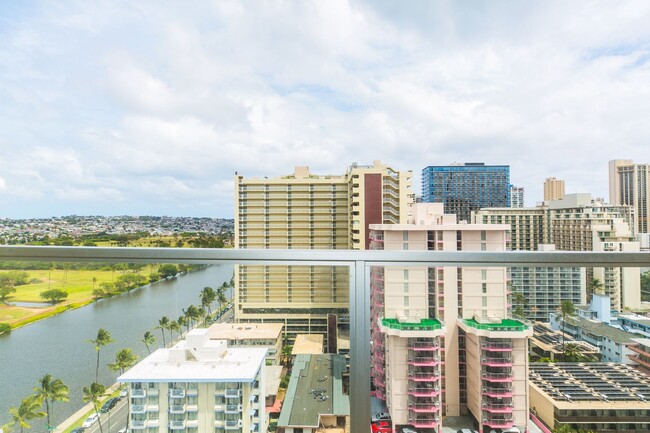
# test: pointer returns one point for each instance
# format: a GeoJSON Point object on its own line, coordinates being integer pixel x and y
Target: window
{"type": "Point", "coordinates": [484, 287]}
{"type": "Point", "coordinates": [405, 235]}
{"type": "Point", "coordinates": [406, 301]}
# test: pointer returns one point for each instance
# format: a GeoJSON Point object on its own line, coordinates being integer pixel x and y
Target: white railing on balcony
{"type": "Point", "coordinates": [358, 262]}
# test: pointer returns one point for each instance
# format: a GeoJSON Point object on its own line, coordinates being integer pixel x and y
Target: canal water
{"type": "Point", "coordinates": [58, 344]}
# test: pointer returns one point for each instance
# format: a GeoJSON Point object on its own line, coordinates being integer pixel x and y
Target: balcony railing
{"type": "Point", "coordinates": [358, 262]}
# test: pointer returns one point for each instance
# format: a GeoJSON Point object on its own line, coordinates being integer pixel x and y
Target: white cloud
{"type": "Point", "coordinates": [137, 103]}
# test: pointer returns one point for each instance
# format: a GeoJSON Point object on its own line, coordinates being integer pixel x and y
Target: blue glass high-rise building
{"type": "Point", "coordinates": [466, 187]}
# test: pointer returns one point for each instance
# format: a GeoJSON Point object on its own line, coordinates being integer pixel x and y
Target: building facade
{"type": "Point", "coordinates": [266, 335]}
{"type": "Point", "coordinates": [198, 386]}
{"type": "Point", "coordinates": [464, 188]}
{"type": "Point", "coordinates": [577, 223]}
{"type": "Point", "coordinates": [553, 189]}
{"type": "Point", "coordinates": [307, 211]}
{"type": "Point", "coordinates": [516, 196]}
{"type": "Point", "coordinates": [442, 341]}
{"type": "Point", "coordinates": [628, 185]}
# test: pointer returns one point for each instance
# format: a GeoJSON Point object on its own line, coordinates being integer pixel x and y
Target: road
{"type": "Point", "coordinates": [112, 421]}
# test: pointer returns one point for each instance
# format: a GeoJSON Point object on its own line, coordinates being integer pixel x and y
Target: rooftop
{"type": "Point", "coordinates": [245, 331]}
{"type": "Point", "coordinates": [423, 325]}
{"type": "Point", "coordinates": [602, 329]}
{"type": "Point", "coordinates": [315, 389]}
{"type": "Point", "coordinates": [607, 385]}
{"type": "Point", "coordinates": [503, 325]}
{"type": "Point", "coordinates": [211, 362]}
{"type": "Point", "coordinates": [551, 341]}
{"type": "Point", "coordinates": [308, 344]}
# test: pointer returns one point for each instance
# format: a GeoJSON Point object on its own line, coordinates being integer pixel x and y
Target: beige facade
{"type": "Point", "coordinates": [628, 185]}
{"type": "Point", "coordinates": [267, 335]}
{"type": "Point", "coordinates": [307, 211]}
{"type": "Point", "coordinates": [553, 189]}
{"type": "Point", "coordinates": [435, 322]}
{"type": "Point", "coordinates": [577, 223]}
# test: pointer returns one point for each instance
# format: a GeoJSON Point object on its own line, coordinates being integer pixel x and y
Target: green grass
{"type": "Point", "coordinates": [78, 284]}
{"type": "Point", "coordinates": [504, 325]}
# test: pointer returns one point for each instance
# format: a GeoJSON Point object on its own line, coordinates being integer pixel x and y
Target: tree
{"type": "Point", "coordinates": [174, 326]}
{"type": "Point", "coordinates": [92, 395]}
{"type": "Point", "coordinates": [595, 286]}
{"type": "Point", "coordinates": [108, 288]}
{"type": "Point", "coordinates": [208, 296]}
{"type": "Point", "coordinates": [519, 301]}
{"type": "Point", "coordinates": [148, 339]}
{"type": "Point", "coordinates": [29, 409]}
{"type": "Point", "coordinates": [163, 324]}
{"type": "Point", "coordinates": [103, 338]}
{"type": "Point", "coordinates": [5, 328]}
{"type": "Point", "coordinates": [192, 314]}
{"type": "Point", "coordinates": [51, 390]}
{"type": "Point", "coordinates": [6, 291]}
{"type": "Point", "coordinates": [167, 270]}
{"type": "Point", "coordinates": [221, 297]}
{"type": "Point", "coordinates": [286, 355]}
{"type": "Point", "coordinates": [567, 309]}
{"type": "Point", "coordinates": [54, 295]}
{"type": "Point", "coordinates": [182, 321]}
{"type": "Point", "coordinates": [124, 359]}
{"type": "Point", "coordinates": [645, 286]}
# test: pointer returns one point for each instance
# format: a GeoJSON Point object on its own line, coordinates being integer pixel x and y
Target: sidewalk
{"type": "Point", "coordinates": [81, 412]}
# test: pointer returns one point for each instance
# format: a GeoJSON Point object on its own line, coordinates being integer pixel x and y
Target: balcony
{"type": "Point", "coordinates": [138, 425]}
{"type": "Point", "coordinates": [232, 393]}
{"type": "Point", "coordinates": [496, 346]}
{"type": "Point", "coordinates": [423, 391]}
{"type": "Point", "coordinates": [233, 408]}
{"type": "Point", "coordinates": [497, 392]}
{"type": "Point", "coordinates": [233, 424]}
{"type": "Point", "coordinates": [498, 422]}
{"type": "Point", "coordinates": [192, 392]}
{"type": "Point", "coordinates": [496, 377]}
{"type": "Point", "coordinates": [177, 425]}
{"type": "Point", "coordinates": [497, 362]}
{"type": "Point", "coordinates": [152, 391]}
{"type": "Point", "coordinates": [177, 409]}
{"type": "Point", "coordinates": [177, 393]}
{"type": "Point", "coordinates": [423, 422]}
{"type": "Point", "coordinates": [356, 261]}
{"type": "Point", "coordinates": [424, 407]}
{"type": "Point", "coordinates": [138, 393]}
{"type": "Point", "coordinates": [419, 345]}
{"type": "Point", "coordinates": [138, 408]}
{"type": "Point", "coordinates": [424, 361]}
{"type": "Point", "coordinates": [424, 376]}
{"type": "Point", "coordinates": [498, 407]}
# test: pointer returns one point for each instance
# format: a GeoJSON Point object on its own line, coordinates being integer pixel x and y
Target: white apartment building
{"type": "Point", "coordinates": [442, 342]}
{"type": "Point", "coordinates": [266, 335]}
{"type": "Point", "coordinates": [198, 386]}
{"type": "Point", "coordinates": [628, 184]}
{"type": "Point", "coordinates": [308, 211]}
{"type": "Point", "coordinates": [516, 196]}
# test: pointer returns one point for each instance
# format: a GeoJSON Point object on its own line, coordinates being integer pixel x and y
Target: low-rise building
{"type": "Point", "coordinates": [267, 335]}
{"type": "Point", "coordinates": [599, 397]}
{"type": "Point", "coordinates": [315, 398]}
{"type": "Point", "coordinates": [547, 343]}
{"type": "Point", "coordinates": [198, 386]}
{"type": "Point", "coordinates": [307, 344]}
{"type": "Point", "coordinates": [641, 355]}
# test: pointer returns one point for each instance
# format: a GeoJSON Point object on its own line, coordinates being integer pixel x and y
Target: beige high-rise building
{"type": "Point", "coordinates": [442, 341]}
{"type": "Point", "coordinates": [577, 223]}
{"type": "Point", "coordinates": [307, 211]}
{"type": "Point", "coordinates": [628, 185]}
{"type": "Point", "coordinates": [553, 189]}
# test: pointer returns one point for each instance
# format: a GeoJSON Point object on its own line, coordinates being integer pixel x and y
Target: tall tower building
{"type": "Point", "coordinates": [628, 184]}
{"type": "Point", "coordinates": [307, 211]}
{"type": "Point", "coordinates": [553, 189]}
{"type": "Point", "coordinates": [516, 196]}
{"type": "Point", "coordinates": [442, 341]}
{"type": "Point", "coordinates": [463, 188]}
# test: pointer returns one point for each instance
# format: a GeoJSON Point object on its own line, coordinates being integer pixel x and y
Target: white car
{"type": "Point", "coordinates": [92, 419]}
{"type": "Point", "coordinates": [381, 416]}
{"type": "Point", "coordinates": [122, 430]}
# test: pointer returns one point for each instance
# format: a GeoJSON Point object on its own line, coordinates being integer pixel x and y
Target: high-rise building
{"type": "Point", "coordinates": [516, 196]}
{"type": "Point", "coordinates": [463, 188]}
{"type": "Point", "coordinates": [308, 211]}
{"type": "Point", "coordinates": [577, 223]}
{"type": "Point", "coordinates": [199, 385]}
{"type": "Point", "coordinates": [628, 184]}
{"type": "Point", "coordinates": [553, 189]}
{"type": "Point", "coordinates": [442, 341]}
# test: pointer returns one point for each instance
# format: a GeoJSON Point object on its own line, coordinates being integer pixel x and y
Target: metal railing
{"type": "Point", "coordinates": [358, 262]}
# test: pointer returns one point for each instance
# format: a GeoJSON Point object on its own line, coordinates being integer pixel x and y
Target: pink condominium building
{"type": "Point", "coordinates": [442, 341]}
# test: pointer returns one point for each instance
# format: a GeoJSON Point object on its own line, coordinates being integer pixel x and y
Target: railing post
{"type": "Point", "coordinates": [359, 347]}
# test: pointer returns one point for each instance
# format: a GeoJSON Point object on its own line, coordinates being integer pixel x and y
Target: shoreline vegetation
{"type": "Point", "coordinates": [83, 283]}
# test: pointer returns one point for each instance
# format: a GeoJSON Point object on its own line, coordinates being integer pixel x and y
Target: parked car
{"type": "Point", "coordinates": [466, 430]}
{"type": "Point", "coordinates": [124, 392]}
{"type": "Point", "coordinates": [381, 416]}
{"type": "Point", "coordinates": [506, 430]}
{"type": "Point", "coordinates": [409, 430]}
{"type": "Point", "coordinates": [77, 430]}
{"type": "Point", "coordinates": [108, 405]}
{"type": "Point", "coordinates": [122, 430]}
{"type": "Point", "coordinates": [92, 419]}
{"type": "Point", "coordinates": [382, 427]}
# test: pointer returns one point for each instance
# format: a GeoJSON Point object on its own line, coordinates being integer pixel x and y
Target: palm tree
{"type": "Point", "coordinates": [208, 296]}
{"type": "Point", "coordinates": [163, 324]}
{"type": "Point", "coordinates": [286, 355]}
{"type": "Point", "coordinates": [595, 286]}
{"type": "Point", "coordinates": [174, 326]}
{"type": "Point", "coordinates": [29, 409]}
{"type": "Point", "coordinates": [124, 359]}
{"type": "Point", "coordinates": [103, 338]}
{"type": "Point", "coordinates": [567, 309]}
{"type": "Point", "coordinates": [519, 301]}
{"type": "Point", "coordinates": [148, 339]}
{"type": "Point", "coordinates": [49, 392]}
{"type": "Point", "coordinates": [92, 395]}
{"type": "Point", "coordinates": [221, 297]}
{"type": "Point", "coordinates": [192, 314]}
{"type": "Point", "coordinates": [182, 321]}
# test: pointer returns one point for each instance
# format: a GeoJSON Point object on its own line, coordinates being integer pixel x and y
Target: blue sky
{"type": "Point", "coordinates": [149, 108]}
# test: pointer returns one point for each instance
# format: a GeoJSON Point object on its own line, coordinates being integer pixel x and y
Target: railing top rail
{"type": "Point", "coordinates": [329, 257]}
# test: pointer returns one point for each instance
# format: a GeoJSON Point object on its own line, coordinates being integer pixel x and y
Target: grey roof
{"type": "Point", "coordinates": [315, 389]}
{"type": "Point", "coordinates": [602, 329]}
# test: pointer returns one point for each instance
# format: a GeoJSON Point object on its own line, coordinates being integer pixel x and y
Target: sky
{"type": "Point", "coordinates": [149, 107]}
